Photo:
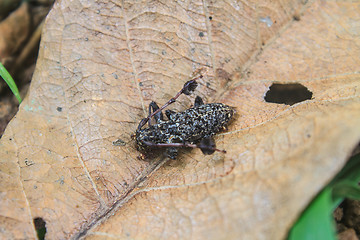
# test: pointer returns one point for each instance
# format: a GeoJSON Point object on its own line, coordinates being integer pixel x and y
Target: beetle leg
{"type": "Point", "coordinates": [172, 152]}
{"type": "Point", "coordinates": [169, 113]}
{"type": "Point", "coordinates": [158, 116]}
{"type": "Point", "coordinates": [142, 123]}
{"type": "Point", "coordinates": [207, 145]}
{"type": "Point", "coordinates": [198, 101]}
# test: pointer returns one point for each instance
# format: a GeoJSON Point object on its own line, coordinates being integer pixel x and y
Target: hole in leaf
{"type": "Point", "coordinates": [287, 93]}
{"type": "Point", "coordinates": [40, 226]}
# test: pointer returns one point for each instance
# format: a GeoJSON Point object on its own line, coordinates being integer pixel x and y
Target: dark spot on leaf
{"type": "Point", "coordinates": [287, 93]}
{"type": "Point", "coordinates": [296, 17]}
{"type": "Point", "coordinates": [210, 18]}
{"type": "Point", "coordinates": [119, 142]}
{"type": "Point", "coordinates": [222, 74]}
{"type": "Point", "coordinates": [40, 226]}
{"type": "Point", "coordinates": [60, 180]}
{"type": "Point", "coordinates": [28, 162]}
{"type": "Point", "coordinates": [59, 109]}
{"type": "Point", "coordinates": [201, 34]}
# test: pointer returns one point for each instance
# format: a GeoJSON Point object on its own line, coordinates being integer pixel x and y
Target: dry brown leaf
{"type": "Point", "coordinates": [101, 63]}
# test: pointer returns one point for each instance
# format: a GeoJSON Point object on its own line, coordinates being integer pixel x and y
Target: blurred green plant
{"type": "Point", "coordinates": [316, 222]}
{"type": "Point", "coordinates": [10, 82]}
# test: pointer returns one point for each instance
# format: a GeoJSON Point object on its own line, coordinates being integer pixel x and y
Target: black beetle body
{"type": "Point", "coordinates": [187, 127]}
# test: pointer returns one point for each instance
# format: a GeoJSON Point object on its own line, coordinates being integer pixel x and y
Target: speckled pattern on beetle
{"type": "Point", "coordinates": [193, 127]}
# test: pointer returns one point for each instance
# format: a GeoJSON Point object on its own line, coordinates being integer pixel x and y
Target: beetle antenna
{"type": "Point", "coordinates": [188, 87]}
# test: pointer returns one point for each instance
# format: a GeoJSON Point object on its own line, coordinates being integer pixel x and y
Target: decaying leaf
{"type": "Point", "coordinates": [100, 65]}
